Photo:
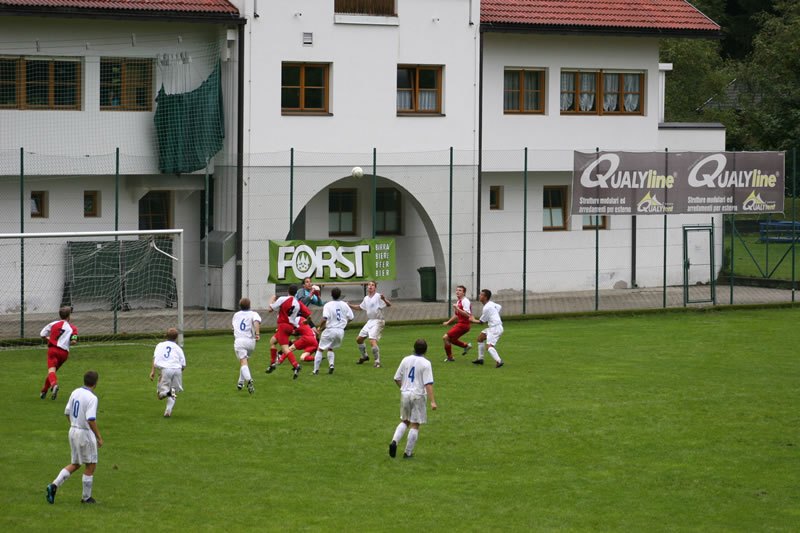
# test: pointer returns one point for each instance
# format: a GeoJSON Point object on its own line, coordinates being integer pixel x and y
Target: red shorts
{"type": "Point", "coordinates": [56, 357]}
{"type": "Point", "coordinates": [307, 341]}
{"type": "Point", "coordinates": [457, 330]}
{"type": "Point", "coordinates": [283, 332]}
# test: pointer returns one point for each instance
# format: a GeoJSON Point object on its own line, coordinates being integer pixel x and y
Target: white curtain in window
{"type": "Point", "coordinates": [567, 84]}
{"type": "Point", "coordinates": [588, 87]}
{"type": "Point", "coordinates": [427, 100]}
{"type": "Point", "coordinates": [404, 100]}
{"type": "Point", "coordinates": [610, 90]}
{"type": "Point", "coordinates": [632, 86]}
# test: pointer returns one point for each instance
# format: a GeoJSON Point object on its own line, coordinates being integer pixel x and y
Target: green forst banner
{"type": "Point", "coordinates": [331, 261]}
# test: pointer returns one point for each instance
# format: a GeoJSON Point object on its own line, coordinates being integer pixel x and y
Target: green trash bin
{"type": "Point", "coordinates": [427, 283]}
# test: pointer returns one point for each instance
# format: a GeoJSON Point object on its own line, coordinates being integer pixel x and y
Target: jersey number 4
{"type": "Point", "coordinates": [411, 373]}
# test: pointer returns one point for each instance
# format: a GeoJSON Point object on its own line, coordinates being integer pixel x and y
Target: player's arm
{"type": "Point", "coordinates": [398, 381]}
{"type": "Point", "coordinates": [257, 329]}
{"type": "Point", "coordinates": [153, 369]}
{"type": "Point", "coordinates": [460, 311]}
{"type": "Point", "coordinates": [93, 426]}
{"type": "Point", "coordinates": [429, 390]}
{"type": "Point", "coordinates": [354, 307]}
{"type": "Point", "coordinates": [385, 300]}
{"type": "Point", "coordinates": [322, 324]}
{"type": "Point", "coordinates": [271, 302]}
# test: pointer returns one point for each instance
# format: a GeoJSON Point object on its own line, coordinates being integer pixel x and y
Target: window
{"type": "Point", "coordinates": [365, 7]}
{"type": "Point", "coordinates": [523, 91]}
{"type": "Point", "coordinates": [304, 88]}
{"type": "Point", "coordinates": [154, 210]}
{"type": "Point", "coordinates": [126, 84]}
{"type": "Point", "coordinates": [387, 212]}
{"type": "Point", "coordinates": [91, 204]}
{"type": "Point", "coordinates": [594, 221]}
{"type": "Point", "coordinates": [603, 93]}
{"type": "Point", "coordinates": [554, 209]}
{"type": "Point", "coordinates": [419, 90]}
{"type": "Point", "coordinates": [40, 83]}
{"type": "Point", "coordinates": [342, 211]}
{"type": "Point", "coordinates": [496, 197]}
{"type": "Point", "coordinates": [38, 204]}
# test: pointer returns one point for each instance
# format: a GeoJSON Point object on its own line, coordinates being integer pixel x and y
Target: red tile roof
{"type": "Point", "coordinates": [659, 15]}
{"type": "Point", "coordinates": [186, 6]}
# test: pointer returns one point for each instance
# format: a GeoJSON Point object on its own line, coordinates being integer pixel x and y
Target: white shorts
{"type": "Point", "coordinates": [372, 329]}
{"type": "Point", "coordinates": [493, 334]}
{"type": "Point", "coordinates": [331, 338]}
{"type": "Point", "coordinates": [83, 445]}
{"type": "Point", "coordinates": [169, 378]}
{"type": "Point", "coordinates": [244, 347]}
{"type": "Point", "coordinates": [413, 407]}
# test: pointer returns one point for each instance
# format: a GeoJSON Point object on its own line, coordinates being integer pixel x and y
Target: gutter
{"type": "Point", "coordinates": [124, 14]}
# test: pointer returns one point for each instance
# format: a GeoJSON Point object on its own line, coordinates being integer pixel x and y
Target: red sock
{"type": "Point", "coordinates": [448, 350]}
{"type": "Point", "coordinates": [458, 343]}
{"type": "Point", "coordinates": [292, 359]}
{"type": "Point", "coordinates": [282, 358]}
{"type": "Point", "coordinates": [273, 354]}
{"type": "Point", "coordinates": [53, 379]}
{"type": "Point", "coordinates": [46, 386]}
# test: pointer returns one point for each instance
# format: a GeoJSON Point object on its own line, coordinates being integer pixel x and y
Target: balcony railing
{"type": "Point", "coordinates": [383, 8]}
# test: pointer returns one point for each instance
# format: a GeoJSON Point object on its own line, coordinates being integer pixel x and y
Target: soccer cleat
{"type": "Point", "coordinates": [466, 349]}
{"type": "Point", "coordinates": [89, 500]}
{"type": "Point", "coordinates": [167, 414]}
{"type": "Point", "coordinates": [392, 448]}
{"type": "Point", "coordinates": [330, 370]}
{"type": "Point", "coordinates": [297, 370]}
{"type": "Point", "coordinates": [407, 455]}
{"type": "Point", "coordinates": [314, 372]}
{"type": "Point", "coordinates": [239, 386]}
{"type": "Point", "coordinates": [173, 393]}
{"type": "Point", "coordinates": [449, 360]}
{"type": "Point", "coordinates": [51, 493]}
{"type": "Point", "coordinates": [271, 368]}
{"type": "Point", "coordinates": [477, 362]}
{"type": "Point", "coordinates": [377, 364]}
{"type": "Point", "coordinates": [498, 365]}
{"type": "Point", "coordinates": [251, 387]}
{"type": "Point", "coordinates": [362, 359]}
{"type": "Point", "coordinates": [55, 392]}
{"type": "Point", "coordinates": [43, 394]}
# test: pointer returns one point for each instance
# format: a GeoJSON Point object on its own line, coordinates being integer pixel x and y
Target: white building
{"type": "Point", "coordinates": [334, 80]}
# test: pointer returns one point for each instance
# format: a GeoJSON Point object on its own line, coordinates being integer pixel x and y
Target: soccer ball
{"type": "Point", "coordinates": [358, 172]}
{"type": "Point", "coordinates": [315, 288]}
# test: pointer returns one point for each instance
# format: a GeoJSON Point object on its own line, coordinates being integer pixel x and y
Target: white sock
{"type": "Point", "coordinates": [493, 353]}
{"type": "Point", "coordinates": [399, 432]}
{"type": "Point", "coordinates": [363, 349]}
{"type": "Point", "coordinates": [246, 373]}
{"type": "Point", "coordinates": [317, 360]}
{"type": "Point", "coordinates": [412, 440]}
{"type": "Point", "coordinates": [62, 477]}
{"type": "Point", "coordinates": [376, 353]}
{"type": "Point", "coordinates": [87, 486]}
{"type": "Point", "coordinates": [170, 403]}
{"type": "Point", "coordinates": [331, 357]}
{"type": "Point", "coordinates": [481, 350]}
{"type": "Point", "coordinates": [241, 379]}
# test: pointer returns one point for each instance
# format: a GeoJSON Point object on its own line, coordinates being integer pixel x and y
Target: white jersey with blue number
{"type": "Point", "coordinates": [337, 313]}
{"type": "Point", "coordinates": [414, 373]}
{"type": "Point", "coordinates": [169, 355]}
{"type": "Point", "coordinates": [243, 324]}
{"type": "Point", "coordinates": [491, 314]}
{"type": "Point", "coordinates": [81, 407]}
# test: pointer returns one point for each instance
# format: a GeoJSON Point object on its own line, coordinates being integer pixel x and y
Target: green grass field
{"type": "Point", "coordinates": [662, 422]}
{"type": "Point", "coordinates": [763, 258]}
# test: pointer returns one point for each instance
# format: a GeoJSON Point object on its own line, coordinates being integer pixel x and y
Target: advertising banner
{"type": "Point", "coordinates": [676, 183]}
{"type": "Point", "coordinates": [331, 261]}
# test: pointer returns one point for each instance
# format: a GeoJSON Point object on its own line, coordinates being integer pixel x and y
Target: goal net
{"type": "Point", "coordinates": [123, 286]}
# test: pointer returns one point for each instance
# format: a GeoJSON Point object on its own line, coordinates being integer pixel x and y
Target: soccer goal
{"type": "Point", "coordinates": [122, 286]}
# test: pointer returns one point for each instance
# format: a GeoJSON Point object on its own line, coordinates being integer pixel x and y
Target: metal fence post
{"type": "Point", "coordinates": [794, 202]}
{"type": "Point", "coordinates": [291, 194]}
{"type": "Point", "coordinates": [525, 237]}
{"type": "Point", "coordinates": [450, 242]}
{"type": "Point", "coordinates": [22, 243]}
{"type": "Point", "coordinates": [374, 191]}
{"type": "Point", "coordinates": [666, 173]}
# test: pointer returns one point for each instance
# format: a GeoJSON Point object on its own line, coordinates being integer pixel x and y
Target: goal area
{"type": "Point", "coordinates": [122, 286]}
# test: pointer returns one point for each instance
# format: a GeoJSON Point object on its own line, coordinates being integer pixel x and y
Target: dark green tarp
{"type": "Point", "coordinates": [189, 126]}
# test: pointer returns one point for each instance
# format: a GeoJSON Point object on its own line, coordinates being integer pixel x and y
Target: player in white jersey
{"type": "Point", "coordinates": [246, 332]}
{"type": "Point", "coordinates": [414, 376]}
{"type": "Point", "coordinates": [84, 438]}
{"type": "Point", "coordinates": [170, 361]}
{"type": "Point", "coordinates": [373, 303]}
{"type": "Point", "coordinates": [489, 336]}
{"type": "Point", "coordinates": [335, 315]}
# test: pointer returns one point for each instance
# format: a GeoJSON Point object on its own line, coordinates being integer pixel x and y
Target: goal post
{"type": "Point", "coordinates": [123, 286]}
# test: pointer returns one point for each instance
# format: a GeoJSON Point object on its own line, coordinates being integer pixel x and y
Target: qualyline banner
{"type": "Point", "coordinates": [657, 183]}
{"type": "Point", "coordinates": [331, 261]}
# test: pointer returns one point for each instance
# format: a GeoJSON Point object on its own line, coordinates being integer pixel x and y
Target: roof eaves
{"type": "Point", "coordinates": [495, 27]}
{"type": "Point", "coordinates": [123, 14]}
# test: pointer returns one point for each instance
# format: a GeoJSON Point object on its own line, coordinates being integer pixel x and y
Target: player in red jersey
{"type": "Point", "coordinates": [462, 314]}
{"type": "Point", "coordinates": [60, 335]}
{"type": "Point", "coordinates": [290, 313]}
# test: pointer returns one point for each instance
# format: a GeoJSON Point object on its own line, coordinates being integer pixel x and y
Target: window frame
{"type": "Point", "coordinates": [150, 216]}
{"type": "Point", "coordinates": [399, 210]}
{"type": "Point", "coordinates": [125, 85]}
{"type": "Point", "coordinates": [521, 91]}
{"type": "Point", "coordinates": [43, 209]}
{"type": "Point", "coordinates": [95, 195]}
{"type": "Point", "coordinates": [415, 91]}
{"type": "Point", "coordinates": [565, 214]}
{"type": "Point", "coordinates": [355, 7]}
{"type": "Point", "coordinates": [21, 84]}
{"type": "Point", "coordinates": [498, 204]}
{"type": "Point", "coordinates": [354, 212]}
{"type": "Point", "coordinates": [603, 222]}
{"type": "Point", "coordinates": [303, 110]}
{"type": "Point", "coordinates": [600, 80]}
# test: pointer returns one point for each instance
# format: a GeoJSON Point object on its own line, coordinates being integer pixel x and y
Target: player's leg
{"type": "Point", "coordinates": [362, 348]}
{"type": "Point", "coordinates": [244, 374]}
{"type": "Point", "coordinates": [88, 480]}
{"type": "Point", "coordinates": [62, 476]}
{"type": "Point", "coordinates": [374, 336]}
{"type": "Point", "coordinates": [317, 360]}
{"type": "Point", "coordinates": [491, 341]}
{"type": "Point", "coordinates": [481, 348]}
{"type": "Point", "coordinates": [413, 434]}
{"type": "Point", "coordinates": [448, 348]}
